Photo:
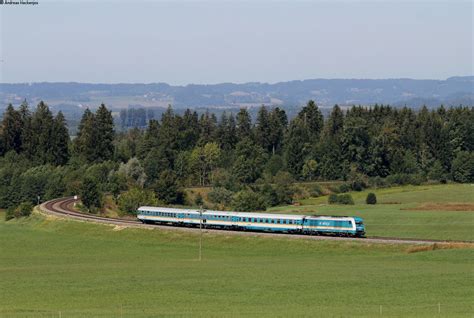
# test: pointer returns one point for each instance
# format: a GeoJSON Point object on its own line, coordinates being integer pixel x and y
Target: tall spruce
{"type": "Point", "coordinates": [312, 118]}
{"type": "Point", "coordinates": [11, 129]}
{"type": "Point", "coordinates": [243, 124]}
{"type": "Point", "coordinates": [277, 122]}
{"type": "Point", "coordinates": [208, 125]}
{"type": "Point", "coordinates": [263, 129]}
{"type": "Point", "coordinates": [297, 146]}
{"type": "Point", "coordinates": [86, 140]}
{"type": "Point", "coordinates": [226, 132]}
{"type": "Point", "coordinates": [42, 123]}
{"type": "Point", "coordinates": [60, 144]}
{"type": "Point", "coordinates": [26, 131]}
{"type": "Point", "coordinates": [105, 133]}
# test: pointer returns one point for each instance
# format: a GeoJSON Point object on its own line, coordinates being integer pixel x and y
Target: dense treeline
{"type": "Point", "coordinates": [250, 165]}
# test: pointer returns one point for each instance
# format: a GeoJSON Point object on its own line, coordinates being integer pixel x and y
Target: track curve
{"type": "Point", "coordinates": [62, 207]}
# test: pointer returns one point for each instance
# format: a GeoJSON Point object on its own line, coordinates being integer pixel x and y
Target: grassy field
{"type": "Point", "coordinates": [52, 268]}
{"type": "Point", "coordinates": [427, 211]}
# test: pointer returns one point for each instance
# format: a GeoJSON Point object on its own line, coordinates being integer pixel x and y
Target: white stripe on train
{"type": "Point", "coordinates": [253, 224]}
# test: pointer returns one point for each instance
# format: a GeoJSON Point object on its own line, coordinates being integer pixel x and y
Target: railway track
{"type": "Point", "coordinates": [63, 207]}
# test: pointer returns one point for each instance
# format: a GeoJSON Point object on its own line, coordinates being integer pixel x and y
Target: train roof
{"type": "Point", "coordinates": [245, 214]}
{"type": "Point", "coordinates": [224, 213]}
{"type": "Point", "coordinates": [312, 217]}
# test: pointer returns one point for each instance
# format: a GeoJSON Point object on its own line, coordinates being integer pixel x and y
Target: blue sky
{"type": "Point", "coordinates": [185, 42]}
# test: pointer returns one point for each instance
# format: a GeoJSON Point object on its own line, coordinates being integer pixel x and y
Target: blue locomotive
{"type": "Point", "coordinates": [283, 223]}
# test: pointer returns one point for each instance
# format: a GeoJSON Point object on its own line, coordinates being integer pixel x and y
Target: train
{"type": "Point", "coordinates": [246, 221]}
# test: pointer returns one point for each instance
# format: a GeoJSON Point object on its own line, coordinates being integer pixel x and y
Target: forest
{"type": "Point", "coordinates": [248, 165]}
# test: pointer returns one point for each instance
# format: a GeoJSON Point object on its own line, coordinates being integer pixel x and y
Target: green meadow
{"type": "Point", "coordinates": [444, 212]}
{"type": "Point", "coordinates": [63, 268]}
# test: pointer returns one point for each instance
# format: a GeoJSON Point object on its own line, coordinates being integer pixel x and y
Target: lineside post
{"type": "Point", "coordinates": [200, 233]}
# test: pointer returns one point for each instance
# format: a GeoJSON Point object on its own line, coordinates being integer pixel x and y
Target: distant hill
{"type": "Point", "coordinates": [326, 92]}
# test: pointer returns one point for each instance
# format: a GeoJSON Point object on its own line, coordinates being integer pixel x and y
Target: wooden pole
{"type": "Point", "coordinates": [200, 234]}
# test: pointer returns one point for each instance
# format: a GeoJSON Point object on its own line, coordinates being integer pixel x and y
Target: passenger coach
{"type": "Point", "coordinates": [285, 223]}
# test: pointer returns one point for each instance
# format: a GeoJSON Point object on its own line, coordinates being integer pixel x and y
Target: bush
{"type": "Point", "coordinates": [10, 214]}
{"type": "Point", "coordinates": [24, 209]}
{"type": "Point", "coordinates": [315, 190]}
{"type": "Point", "coordinates": [417, 179]}
{"type": "Point", "coordinates": [397, 178]}
{"type": "Point", "coordinates": [90, 195]}
{"type": "Point", "coordinates": [220, 195]}
{"type": "Point", "coordinates": [357, 180]}
{"type": "Point", "coordinates": [358, 185]}
{"type": "Point", "coordinates": [299, 193]}
{"type": "Point", "coordinates": [462, 167]}
{"type": "Point", "coordinates": [269, 194]}
{"type": "Point", "coordinates": [377, 182]}
{"type": "Point", "coordinates": [168, 189]}
{"type": "Point", "coordinates": [345, 199]}
{"type": "Point", "coordinates": [198, 200]}
{"type": "Point", "coordinates": [371, 198]}
{"type": "Point", "coordinates": [333, 199]}
{"type": "Point", "coordinates": [247, 200]}
{"type": "Point", "coordinates": [131, 200]}
{"type": "Point", "coordinates": [343, 188]}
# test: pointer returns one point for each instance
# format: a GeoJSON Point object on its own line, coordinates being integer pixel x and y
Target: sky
{"type": "Point", "coordinates": [183, 42]}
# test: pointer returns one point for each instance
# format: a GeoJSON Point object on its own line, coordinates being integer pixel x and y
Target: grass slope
{"type": "Point", "coordinates": [52, 267]}
{"type": "Point", "coordinates": [403, 211]}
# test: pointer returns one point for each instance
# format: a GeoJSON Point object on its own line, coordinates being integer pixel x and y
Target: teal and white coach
{"type": "Point", "coordinates": [285, 223]}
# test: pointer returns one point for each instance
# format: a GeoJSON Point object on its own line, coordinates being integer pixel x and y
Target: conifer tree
{"type": "Point", "coordinates": [297, 147]}
{"type": "Point", "coordinates": [60, 145]}
{"type": "Point", "coordinates": [86, 140]}
{"type": "Point", "coordinates": [26, 133]}
{"type": "Point", "coordinates": [263, 129]}
{"type": "Point", "coordinates": [11, 129]}
{"type": "Point", "coordinates": [312, 118]}
{"type": "Point", "coordinates": [277, 122]}
{"type": "Point", "coordinates": [243, 125]}
{"type": "Point", "coordinates": [42, 123]}
{"type": "Point", "coordinates": [208, 124]}
{"type": "Point", "coordinates": [190, 131]}
{"type": "Point", "coordinates": [105, 133]}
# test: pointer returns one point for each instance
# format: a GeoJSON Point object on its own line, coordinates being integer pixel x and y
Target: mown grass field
{"type": "Point", "coordinates": [444, 212]}
{"type": "Point", "coordinates": [52, 268]}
